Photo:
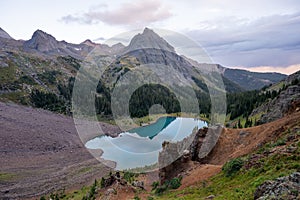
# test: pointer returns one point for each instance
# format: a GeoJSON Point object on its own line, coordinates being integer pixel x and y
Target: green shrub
{"type": "Point", "coordinates": [154, 185]}
{"type": "Point", "coordinates": [279, 142]}
{"type": "Point", "coordinates": [175, 183]}
{"type": "Point", "coordinates": [129, 176]}
{"type": "Point", "coordinates": [136, 198]}
{"type": "Point", "coordinates": [232, 167]}
{"type": "Point", "coordinates": [102, 183]}
{"type": "Point", "coordinates": [161, 189]}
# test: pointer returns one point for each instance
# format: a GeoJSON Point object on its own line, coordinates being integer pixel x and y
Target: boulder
{"type": "Point", "coordinates": [139, 184]}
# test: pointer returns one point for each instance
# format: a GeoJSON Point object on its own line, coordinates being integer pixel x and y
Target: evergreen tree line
{"type": "Point", "coordinates": [243, 103]}
{"type": "Point", "coordinates": [147, 95]}
{"type": "Point", "coordinates": [48, 101]}
{"type": "Point", "coordinates": [238, 104]}
{"type": "Point", "coordinates": [144, 97]}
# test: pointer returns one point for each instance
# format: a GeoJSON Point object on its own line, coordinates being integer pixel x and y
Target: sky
{"type": "Point", "coordinates": [260, 35]}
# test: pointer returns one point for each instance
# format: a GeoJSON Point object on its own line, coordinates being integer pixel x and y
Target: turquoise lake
{"type": "Point", "coordinates": [140, 146]}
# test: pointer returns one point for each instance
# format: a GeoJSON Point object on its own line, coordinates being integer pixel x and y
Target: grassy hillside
{"type": "Point", "coordinates": [240, 177]}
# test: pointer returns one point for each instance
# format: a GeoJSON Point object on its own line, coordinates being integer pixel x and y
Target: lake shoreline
{"type": "Point", "coordinates": [140, 146]}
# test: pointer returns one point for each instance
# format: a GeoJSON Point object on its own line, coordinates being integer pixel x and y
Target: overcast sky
{"type": "Point", "coordinates": [262, 35]}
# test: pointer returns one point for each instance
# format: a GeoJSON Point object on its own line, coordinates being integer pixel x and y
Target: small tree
{"type": "Point", "coordinates": [239, 124]}
{"type": "Point", "coordinates": [154, 185]}
{"type": "Point", "coordinates": [175, 183]}
{"type": "Point", "coordinates": [102, 183]}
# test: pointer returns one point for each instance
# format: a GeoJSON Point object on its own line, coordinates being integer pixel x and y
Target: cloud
{"type": "Point", "coordinates": [134, 13]}
{"type": "Point", "coordinates": [99, 39]}
{"type": "Point", "coordinates": [284, 70]}
{"type": "Point", "coordinates": [271, 40]}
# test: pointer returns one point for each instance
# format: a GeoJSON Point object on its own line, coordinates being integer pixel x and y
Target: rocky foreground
{"type": "Point", "coordinates": [40, 152]}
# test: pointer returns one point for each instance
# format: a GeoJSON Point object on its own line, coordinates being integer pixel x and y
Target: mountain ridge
{"type": "Point", "coordinates": [252, 80]}
{"type": "Point", "coordinates": [148, 46]}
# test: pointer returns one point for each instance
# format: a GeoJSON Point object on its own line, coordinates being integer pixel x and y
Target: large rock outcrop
{"type": "Point", "coordinates": [174, 157]}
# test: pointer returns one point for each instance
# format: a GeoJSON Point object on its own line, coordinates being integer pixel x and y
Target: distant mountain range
{"type": "Point", "coordinates": [252, 80]}
{"type": "Point", "coordinates": [41, 72]}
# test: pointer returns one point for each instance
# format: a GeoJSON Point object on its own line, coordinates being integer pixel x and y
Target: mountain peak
{"type": "Point", "coordinates": [41, 41]}
{"type": "Point", "coordinates": [4, 34]}
{"type": "Point", "coordinates": [88, 42]}
{"type": "Point", "coordinates": [43, 35]}
{"type": "Point", "coordinates": [148, 30]}
{"type": "Point", "coordinates": [149, 40]}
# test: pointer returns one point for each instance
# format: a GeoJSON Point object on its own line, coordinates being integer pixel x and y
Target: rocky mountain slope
{"type": "Point", "coordinates": [41, 152]}
{"type": "Point", "coordinates": [4, 34]}
{"type": "Point", "coordinates": [286, 101]}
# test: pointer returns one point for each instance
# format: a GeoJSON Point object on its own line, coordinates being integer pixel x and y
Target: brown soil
{"type": "Point", "coordinates": [238, 142]}
{"type": "Point", "coordinates": [40, 152]}
{"type": "Point", "coordinates": [199, 173]}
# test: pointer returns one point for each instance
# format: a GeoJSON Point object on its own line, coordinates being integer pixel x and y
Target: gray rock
{"type": "Point", "coordinates": [110, 191]}
{"type": "Point", "coordinates": [210, 197]}
{"type": "Point", "coordinates": [139, 184]}
{"type": "Point", "coordinates": [286, 188]}
{"type": "Point", "coordinates": [196, 147]}
{"type": "Point", "coordinates": [278, 107]}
